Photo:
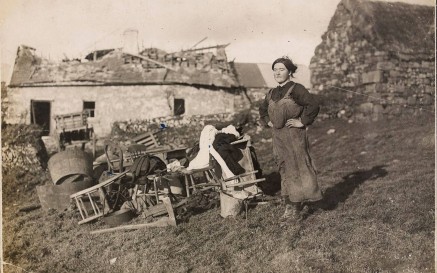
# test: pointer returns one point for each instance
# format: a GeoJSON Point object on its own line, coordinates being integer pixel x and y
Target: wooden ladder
{"type": "Point", "coordinates": [95, 209]}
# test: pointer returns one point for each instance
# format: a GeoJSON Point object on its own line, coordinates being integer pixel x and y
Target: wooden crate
{"type": "Point", "coordinates": [71, 122]}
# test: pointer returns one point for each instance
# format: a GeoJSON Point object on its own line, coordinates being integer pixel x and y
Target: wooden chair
{"type": "Point", "coordinates": [211, 179]}
{"type": "Point", "coordinates": [119, 157]}
{"type": "Point", "coordinates": [133, 152]}
{"type": "Point", "coordinates": [238, 189]}
{"type": "Point", "coordinates": [165, 152]}
{"type": "Point", "coordinates": [114, 156]}
{"type": "Point", "coordinates": [149, 140]}
{"type": "Point", "coordinates": [243, 182]}
{"type": "Point", "coordinates": [148, 194]}
{"type": "Point", "coordinates": [246, 181]}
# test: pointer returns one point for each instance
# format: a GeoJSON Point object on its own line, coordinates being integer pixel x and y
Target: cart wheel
{"type": "Point", "coordinates": [98, 171]}
{"type": "Point", "coordinates": [115, 194]}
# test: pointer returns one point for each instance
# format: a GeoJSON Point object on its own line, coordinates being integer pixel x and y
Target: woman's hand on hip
{"type": "Point", "coordinates": [270, 124]}
{"type": "Point", "coordinates": [294, 123]}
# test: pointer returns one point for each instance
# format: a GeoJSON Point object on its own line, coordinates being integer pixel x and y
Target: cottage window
{"type": "Point", "coordinates": [89, 106]}
{"type": "Point", "coordinates": [179, 107]}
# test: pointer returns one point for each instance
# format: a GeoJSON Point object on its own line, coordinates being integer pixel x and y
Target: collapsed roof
{"type": "Point", "coordinates": [201, 66]}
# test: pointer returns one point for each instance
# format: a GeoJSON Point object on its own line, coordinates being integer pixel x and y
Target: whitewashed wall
{"type": "Point", "coordinates": [118, 103]}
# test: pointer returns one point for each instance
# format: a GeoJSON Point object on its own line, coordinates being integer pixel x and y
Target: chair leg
{"type": "Point", "coordinates": [155, 185]}
{"type": "Point", "coordinates": [212, 177]}
{"type": "Point", "coordinates": [187, 185]}
{"type": "Point", "coordinates": [192, 183]}
{"type": "Point", "coordinates": [206, 174]}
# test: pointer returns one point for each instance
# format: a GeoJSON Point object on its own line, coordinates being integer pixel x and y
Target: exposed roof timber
{"type": "Point", "coordinates": [203, 48]}
{"type": "Point", "coordinates": [198, 42]}
{"type": "Point", "coordinates": [150, 60]}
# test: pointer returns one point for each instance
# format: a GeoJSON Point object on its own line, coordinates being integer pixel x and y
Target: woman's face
{"type": "Point", "coordinates": [280, 72]}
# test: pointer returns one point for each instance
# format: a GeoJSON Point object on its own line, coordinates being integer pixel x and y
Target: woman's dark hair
{"type": "Point", "coordinates": [291, 67]}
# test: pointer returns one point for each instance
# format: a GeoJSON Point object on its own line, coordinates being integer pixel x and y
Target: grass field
{"type": "Point", "coordinates": [377, 216]}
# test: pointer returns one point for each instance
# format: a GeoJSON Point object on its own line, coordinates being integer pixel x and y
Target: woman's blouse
{"type": "Point", "coordinates": [300, 95]}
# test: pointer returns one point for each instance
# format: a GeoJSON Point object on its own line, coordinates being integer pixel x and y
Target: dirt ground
{"type": "Point", "coordinates": [377, 216]}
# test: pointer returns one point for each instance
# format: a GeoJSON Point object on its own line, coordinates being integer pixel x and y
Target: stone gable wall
{"type": "Point", "coordinates": [390, 81]}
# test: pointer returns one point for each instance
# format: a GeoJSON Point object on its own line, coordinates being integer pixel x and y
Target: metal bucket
{"type": "Point", "coordinates": [229, 205]}
{"type": "Point", "coordinates": [70, 165]}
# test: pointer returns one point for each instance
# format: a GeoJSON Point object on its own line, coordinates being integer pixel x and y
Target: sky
{"type": "Point", "coordinates": [257, 30]}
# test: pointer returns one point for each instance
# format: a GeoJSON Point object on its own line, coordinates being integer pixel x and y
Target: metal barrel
{"type": "Point", "coordinates": [70, 165]}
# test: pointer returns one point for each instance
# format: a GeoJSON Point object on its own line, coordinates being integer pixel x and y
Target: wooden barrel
{"type": "Point", "coordinates": [58, 196]}
{"type": "Point", "coordinates": [70, 165]}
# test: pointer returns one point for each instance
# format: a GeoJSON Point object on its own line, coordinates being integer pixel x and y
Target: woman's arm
{"type": "Point", "coordinates": [264, 112]}
{"type": "Point", "coordinates": [310, 105]}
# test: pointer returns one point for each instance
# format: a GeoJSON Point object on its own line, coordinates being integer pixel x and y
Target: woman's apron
{"type": "Point", "coordinates": [291, 152]}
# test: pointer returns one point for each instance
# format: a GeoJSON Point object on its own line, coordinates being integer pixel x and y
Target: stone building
{"type": "Point", "coordinates": [384, 50]}
{"type": "Point", "coordinates": [117, 85]}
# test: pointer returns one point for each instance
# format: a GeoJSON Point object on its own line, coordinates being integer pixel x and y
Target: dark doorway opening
{"type": "Point", "coordinates": [40, 115]}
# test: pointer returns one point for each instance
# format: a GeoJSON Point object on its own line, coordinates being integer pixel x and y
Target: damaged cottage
{"type": "Point", "coordinates": [122, 84]}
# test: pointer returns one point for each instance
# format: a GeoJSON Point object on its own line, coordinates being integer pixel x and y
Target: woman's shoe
{"type": "Point", "coordinates": [291, 212]}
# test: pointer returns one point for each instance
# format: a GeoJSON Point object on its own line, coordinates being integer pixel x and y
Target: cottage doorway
{"type": "Point", "coordinates": [40, 115]}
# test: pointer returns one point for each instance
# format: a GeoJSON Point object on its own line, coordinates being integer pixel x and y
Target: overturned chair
{"type": "Point", "coordinates": [236, 189]}
{"type": "Point", "coordinates": [130, 185]}
{"type": "Point", "coordinates": [240, 189]}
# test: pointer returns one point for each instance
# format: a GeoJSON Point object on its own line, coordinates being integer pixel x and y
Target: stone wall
{"type": "Point", "coordinates": [179, 131]}
{"type": "Point", "coordinates": [257, 94]}
{"type": "Point", "coordinates": [4, 100]}
{"type": "Point", "coordinates": [23, 149]}
{"type": "Point", "coordinates": [390, 82]}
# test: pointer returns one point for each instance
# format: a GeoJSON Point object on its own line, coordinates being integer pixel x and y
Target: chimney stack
{"type": "Point", "coordinates": [130, 41]}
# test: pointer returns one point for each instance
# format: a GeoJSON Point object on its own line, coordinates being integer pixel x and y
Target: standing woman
{"type": "Point", "coordinates": [288, 109]}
